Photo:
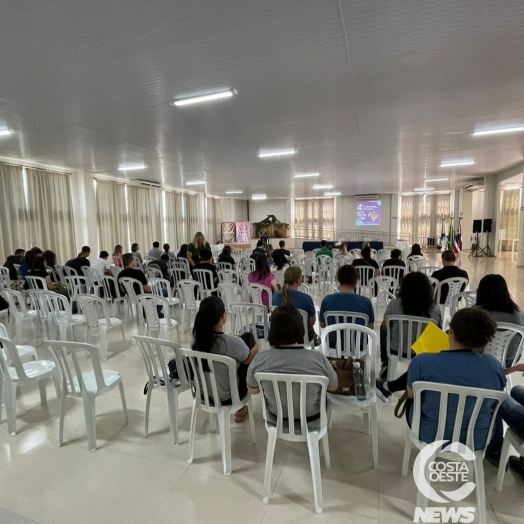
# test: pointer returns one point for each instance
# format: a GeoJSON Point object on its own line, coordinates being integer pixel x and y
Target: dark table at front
{"type": "Point", "coordinates": [310, 245]}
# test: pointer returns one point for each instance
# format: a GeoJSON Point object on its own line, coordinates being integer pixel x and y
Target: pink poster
{"type": "Point", "coordinates": [243, 232]}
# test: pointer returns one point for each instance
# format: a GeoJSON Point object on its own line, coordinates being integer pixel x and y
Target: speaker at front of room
{"type": "Point", "coordinates": [477, 226]}
{"type": "Point", "coordinates": [487, 225]}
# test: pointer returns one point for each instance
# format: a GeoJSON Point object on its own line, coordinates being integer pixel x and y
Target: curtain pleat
{"type": "Point", "coordinates": [111, 215]}
{"type": "Point", "coordinates": [141, 223]}
{"type": "Point", "coordinates": [315, 218]}
{"type": "Point", "coordinates": [509, 212]}
{"type": "Point", "coordinates": [191, 212]}
{"type": "Point", "coordinates": [174, 219]}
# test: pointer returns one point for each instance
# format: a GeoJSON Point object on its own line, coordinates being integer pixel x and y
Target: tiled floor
{"type": "Point", "coordinates": [130, 479]}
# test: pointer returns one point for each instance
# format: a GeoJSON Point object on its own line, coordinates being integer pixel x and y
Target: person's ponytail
{"type": "Point", "coordinates": [291, 276]}
{"type": "Point", "coordinates": [287, 299]}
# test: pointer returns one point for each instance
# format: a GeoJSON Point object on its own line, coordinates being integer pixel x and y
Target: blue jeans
{"type": "Point", "coordinates": [512, 413]}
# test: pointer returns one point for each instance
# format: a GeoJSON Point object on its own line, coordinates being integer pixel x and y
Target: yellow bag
{"type": "Point", "coordinates": [432, 340]}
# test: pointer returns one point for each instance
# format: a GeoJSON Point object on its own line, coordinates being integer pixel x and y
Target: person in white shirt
{"type": "Point", "coordinates": [156, 252]}
{"type": "Point", "coordinates": [102, 266]}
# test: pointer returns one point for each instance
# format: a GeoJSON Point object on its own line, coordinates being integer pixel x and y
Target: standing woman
{"type": "Point", "coordinates": [193, 249]}
{"type": "Point", "coordinates": [262, 275]}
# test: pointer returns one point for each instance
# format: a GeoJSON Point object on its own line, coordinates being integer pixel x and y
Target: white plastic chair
{"type": "Point", "coordinates": [116, 270]}
{"type": "Point", "coordinates": [110, 285]}
{"type": "Point", "coordinates": [247, 265]}
{"type": "Point", "coordinates": [510, 439]}
{"type": "Point", "coordinates": [455, 286]}
{"type": "Point", "coordinates": [224, 265]}
{"type": "Point", "coordinates": [36, 282]}
{"type": "Point", "coordinates": [413, 260]}
{"type": "Point", "coordinates": [60, 315]}
{"type": "Point", "coordinates": [255, 292]}
{"type": "Point", "coordinates": [228, 276]}
{"type": "Point", "coordinates": [190, 302]}
{"type": "Point", "coordinates": [83, 384]}
{"type": "Point", "coordinates": [97, 317]}
{"type": "Point", "coordinates": [364, 343]}
{"type": "Point", "coordinates": [153, 272]}
{"type": "Point", "coordinates": [366, 274]}
{"type": "Point", "coordinates": [459, 425]}
{"type": "Point", "coordinates": [395, 272]}
{"type": "Point", "coordinates": [209, 401]}
{"type": "Point", "coordinates": [339, 318]}
{"type": "Point", "coordinates": [14, 373]}
{"type": "Point", "coordinates": [132, 296]}
{"type": "Point", "coordinates": [355, 253]}
{"type": "Point", "coordinates": [409, 330]}
{"type": "Point", "coordinates": [24, 352]}
{"type": "Point", "coordinates": [466, 299]}
{"type": "Point", "coordinates": [230, 294]}
{"type": "Point", "coordinates": [289, 387]}
{"type": "Point", "coordinates": [19, 316]}
{"type": "Point", "coordinates": [205, 277]}
{"type": "Point", "coordinates": [304, 288]}
{"type": "Point", "coordinates": [154, 352]}
{"type": "Point", "coordinates": [93, 280]}
{"type": "Point", "coordinates": [154, 324]}
{"type": "Point", "coordinates": [162, 288]}
{"type": "Point", "coordinates": [117, 261]}
{"type": "Point", "coordinates": [380, 288]}
{"type": "Point", "coordinates": [38, 304]}
{"type": "Point", "coordinates": [248, 314]}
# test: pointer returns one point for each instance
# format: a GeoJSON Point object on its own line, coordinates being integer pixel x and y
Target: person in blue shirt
{"type": "Point", "coordinates": [346, 300]}
{"type": "Point", "coordinates": [290, 295]}
{"type": "Point", "coordinates": [30, 256]}
{"type": "Point", "coordinates": [464, 364]}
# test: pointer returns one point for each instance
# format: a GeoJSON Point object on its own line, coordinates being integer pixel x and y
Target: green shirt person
{"type": "Point", "coordinates": [324, 250]}
{"type": "Point", "coordinates": [193, 249]}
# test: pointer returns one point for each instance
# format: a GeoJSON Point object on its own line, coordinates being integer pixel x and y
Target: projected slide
{"type": "Point", "coordinates": [369, 213]}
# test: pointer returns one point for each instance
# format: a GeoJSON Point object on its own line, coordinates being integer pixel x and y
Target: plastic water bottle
{"type": "Point", "coordinates": [360, 387]}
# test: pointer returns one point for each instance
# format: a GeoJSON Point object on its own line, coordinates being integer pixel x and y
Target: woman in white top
{"type": "Point", "coordinates": [280, 264]}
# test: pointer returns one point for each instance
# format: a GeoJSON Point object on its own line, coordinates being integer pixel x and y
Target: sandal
{"type": "Point", "coordinates": [241, 414]}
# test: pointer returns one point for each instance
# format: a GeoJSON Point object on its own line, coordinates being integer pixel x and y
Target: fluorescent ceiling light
{"type": "Point", "coordinates": [437, 179]}
{"type": "Point", "coordinates": [5, 132]}
{"type": "Point", "coordinates": [457, 162]}
{"type": "Point", "coordinates": [332, 193]}
{"type": "Point", "coordinates": [196, 183]}
{"type": "Point", "coordinates": [131, 167]}
{"type": "Point", "coordinates": [203, 98]}
{"type": "Point", "coordinates": [258, 197]}
{"type": "Point", "coordinates": [515, 186]}
{"type": "Point", "coordinates": [499, 130]}
{"type": "Point", "coordinates": [234, 192]}
{"type": "Point", "coordinates": [323, 186]}
{"type": "Point", "coordinates": [305, 175]}
{"type": "Point", "coordinates": [276, 152]}
{"type": "Point", "coordinates": [424, 189]}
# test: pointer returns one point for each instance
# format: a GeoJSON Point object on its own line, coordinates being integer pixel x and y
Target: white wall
{"type": "Point", "coordinates": [259, 209]}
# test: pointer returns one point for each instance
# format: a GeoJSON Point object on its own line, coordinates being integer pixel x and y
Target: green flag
{"type": "Point", "coordinates": [451, 236]}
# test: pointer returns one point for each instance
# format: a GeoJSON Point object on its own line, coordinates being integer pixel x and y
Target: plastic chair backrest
{"type": "Point", "coordinates": [57, 305]}
{"type": "Point", "coordinates": [36, 297]}
{"type": "Point", "coordinates": [224, 265]}
{"type": "Point", "coordinates": [309, 266]}
{"type": "Point", "coordinates": [459, 423]}
{"type": "Point", "coordinates": [395, 272]}
{"type": "Point", "coordinates": [91, 306]}
{"type": "Point", "coordinates": [409, 330]}
{"type": "Point", "coordinates": [248, 314]}
{"type": "Point", "coordinates": [179, 273]}
{"type": "Point", "coordinates": [36, 282]}
{"type": "Point", "coordinates": [455, 285]}
{"type": "Point", "coordinates": [149, 303]}
{"type": "Point", "coordinates": [355, 253]}
{"type": "Point", "coordinates": [64, 354]}
{"type": "Point", "coordinates": [343, 318]}
{"type": "Point", "coordinates": [304, 288]}
{"type": "Point", "coordinates": [205, 277]}
{"type": "Point", "coordinates": [13, 297]}
{"type": "Point", "coordinates": [255, 292]}
{"type": "Point", "coordinates": [382, 284]}
{"type": "Point", "coordinates": [76, 286]}
{"type": "Point", "coordinates": [500, 343]}
{"type": "Point", "coordinates": [92, 277]}
{"type": "Point", "coordinates": [247, 264]}
{"type": "Point", "coordinates": [117, 261]}
{"type": "Point", "coordinates": [160, 287]}
{"type": "Point", "coordinates": [115, 270]}
{"type": "Point", "coordinates": [152, 350]}
{"type": "Point", "coordinates": [106, 283]}
{"type": "Point", "coordinates": [228, 276]}
{"type": "Point", "coordinates": [366, 274]}
{"type": "Point", "coordinates": [129, 285]}
{"type": "Point", "coordinates": [186, 292]}
{"type": "Point", "coordinates": [210, 400]}
{"type": "Point", "coordinates": [69, 272]}
{"type": "Point", "coordinates": [9, 358]}
{"type": "Point", "coordinates": [294, 389]}
{"type": "Point", "coordinates": [305, 321]}
{"type": "Point", "coordinates": [229, 293]}
{"type": "Point", "coordinates": [154, 272]}
{"type": "Point", "coordinates": [468, 298]}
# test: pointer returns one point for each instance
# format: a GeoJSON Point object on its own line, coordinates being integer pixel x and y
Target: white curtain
{"type": "Point", "coordinates": [420, 216]}
{"type": "Point", "coordinates": [111, 215]}
{"type": "Point", "coordinates": [142, 227]}
{"type": "Point", "coordinates": [314, 218]}
{"type": "Point", "coordinates": [192, 215]}
{"type": "Point", "coordinates": [509, 212]}
{"type": "Point", "coordinates": [174, 218]}
{"type": "Point", "coordinates": [214, 220]}
{"type": "Point", "coordinates": [50, 212]}
{"type": "Point", "coordinates": [14, 232]}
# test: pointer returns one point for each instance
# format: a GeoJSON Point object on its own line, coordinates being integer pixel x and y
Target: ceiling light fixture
{"type": "Point", "coordinates": [196, 183]}
{"type": "Point", "coordinates": [437, 179]}
{"type": "Point", "coordinates": [511, 187]}
{"type": "Point", "coordinates": [258, 197]}
{"type": "Point", "coordinates": [424, 189]}
{"type": "Point", "coordinates": [323, 186]}
{"type": "Point", "coordinates": [305, 175]}
{"type": "Point", "coordinates": [203, 98]}
{"type": "Point", "coordinates": [276, 152]}
{"type": "Point", "coordinates": [234, 192]}
{"type": "Point", "coordinates": [499, 131]}
{"type": "Point", "coordinates": [457, 163]}
{"type": "Point", "coordinates": [132, 167]}
{"type": "Point", "coordinates": [332, 193]}
{"type": "Point", "coordinates": [5, 132]}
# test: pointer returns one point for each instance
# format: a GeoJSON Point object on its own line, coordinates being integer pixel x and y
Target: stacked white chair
{"type": "Point", "coordinates": [87, 385]}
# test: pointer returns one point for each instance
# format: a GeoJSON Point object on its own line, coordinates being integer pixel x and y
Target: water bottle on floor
{"type": "Point", "coordinates": [360, 386]}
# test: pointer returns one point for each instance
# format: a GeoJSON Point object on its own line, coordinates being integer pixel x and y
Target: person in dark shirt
{"type": "Point", "coordinates": [226, 257]}
{"type": "Point", "coordinates": [450, 270]}
{"type": "Point", "coordinates": [282, 246]}
{"type": "Point", "coordinates": [162, 265]}
{"type": "Point", "coordinates": [206, 262]}
{"type": "Point", "coordinates": [17, 258]}
{"type": "Point", "coordinates": [130, 272]}
{"type": "Point", "coordinates": [259, 250]}
{"type": "Point", "coordinates": [80, 261]}
{"type": "Point", "coordinates": [29, 260]}
{"type": "Point", "coordinates": [395, 261]}
{"type": "Point", "coordinates": [366, 260]}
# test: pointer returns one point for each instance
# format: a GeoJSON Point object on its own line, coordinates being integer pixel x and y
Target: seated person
{"type": "Point", "coordinates": [463, 364]}
{"type": "Point", "coordinates": [209, 337]}
{"type": "Point", "coordinates": [162, 264]}
{"type": "Point", "coordinates": [259, 250]}
{"type": "Point", "coordinates": [80, 261]}
{"type": "Point", "coordinates": [324, 250]}
{"type": "Point", "coordinates": [118, 252]}
{"type": "Point", "coordinates": [130, 271]}
{"type": "Point", "coordinates": [512, 413]}
{"type": "Point", "coordinates": [29, 260]}
{"type": "Point", "coordinates": [450, 270]}
{"type": "Point", "coordinates": [290, 295]}
{"type": "Point", "coordinates": [493, 296]}
{"type": "Point", "coordinates": [50, 258]}
{"type": "Point", "coordinates": [135, 251]}
{"type": "Point", "coordinates": [394, 261]}
{"type": "Point", "coordinates": [156, 251]}
{"type": "Point", "coordinates": [17, 258]}
{"type": "Point", "coordinates": [282, 247]}
{"type": "Point", "coordinates": [415, 299]}
{"type": "Point", "coordinates": [288, 355]}
{"type": "Point", "coordinates": [280, 263]}
{"type": "Point", "coordinates": [182, 253]}
{"type": "Point", "coordinates": [416, 251]}
{"type": "Point", "coordinates": [262, 275]}
{"type": "Point", "coordinates": [226, 257]}
{"type": "Point", "coordinates": [40, 270]}
{"type": "Point", "coordinates": [170, 254]}
{"type": "Point", "coordinates": [206, 262]}
{"type": "Point", "coordinates": [102, 265]}
{"type": "Point", "coordinates": [346, 300]}
{"type": "Point", "coordinates": [366, 260]}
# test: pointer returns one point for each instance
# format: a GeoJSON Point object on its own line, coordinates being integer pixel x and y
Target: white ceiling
{"type": "Point", "coordinates": [371, 93]}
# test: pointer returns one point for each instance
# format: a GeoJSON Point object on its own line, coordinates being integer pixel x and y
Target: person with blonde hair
{"type": "Point", "coordinates": [290, 295]}
{"type": "Point", "coordinates": [194, 248]}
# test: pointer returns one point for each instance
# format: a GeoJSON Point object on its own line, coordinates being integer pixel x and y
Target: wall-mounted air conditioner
{"type": "Point", "coordinates": [144, 183]}
{"type": "Point", "coordinates": [473, 186]}
{"type": "Point", "coordinates": [366, 197]}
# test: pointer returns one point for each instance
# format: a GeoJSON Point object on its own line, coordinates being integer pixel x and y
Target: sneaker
{"type": "Point", "coordinates": [516, 464]}
{"type": "Point", "coordinates": [382, 393]}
